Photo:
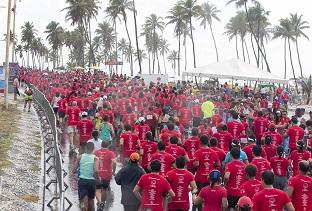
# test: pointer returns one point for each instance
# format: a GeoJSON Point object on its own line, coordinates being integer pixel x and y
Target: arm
{"type": "Point", "coordinates": [75, 167]}
{"type": "Point", "coordinates": [226, 177]}
{"type": "Point", "coordinates": [224, 204]}
{"type": "Point", "coordinates": [114, 165]}
{"type": "Point", "coordinates": [197, 199]}
{"type": "Point", "coordinates": [193, 186]}
{"type": "Point", "coordinates": [96, 167]}
{"type": "Point", "coordinates": [136, 192]}
{"type": "Point", "coordinates": [290, 191]}
{"type": "Point", "coordinates": [289, 207]}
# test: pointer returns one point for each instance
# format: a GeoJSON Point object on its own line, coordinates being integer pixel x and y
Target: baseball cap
{"type": "Point", "coordinates": [244, 201]}
{"type": "Point", "coordinates": [235, 143]}
{"type": "Point", "coordinates": [214, 175]}
{"type": "Point", "coordinates": [105, 97]}
{"type": "Point", "coordinates": [89, 94]}
{"type": "Point", "coordinates": [84, 114]}
{"type": "Point", "coordinates": [134, 156]}
{"type": "Point", "coordinates": [141, 119]}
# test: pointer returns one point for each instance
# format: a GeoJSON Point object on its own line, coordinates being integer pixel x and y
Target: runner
{"type": "Point", "coordinates": [73, 113]}
{"type": "Point", "coordinates": [175, 150]}
{"type": "Point", "coordinates": [147, 149]}
{"type": "Point", "coordinates": [261, 163]}
{"type": "Point", "coordinates": [127, 178]}
{"type": "Point", "coordinates": [270, 198]}
{"type": "Point", "coordinates": [157, 185]}
{"type": "Point", "coordinates": [142, 128]}
{"type": "Point", "coordinates": [107, 130]}
{"type": "Point", "coordinates": [129, 142]}
{"type": "Point", "coordinates": [252, 185]}
{"type": "Point", "coordinates": [106, 169]}
{"type": "Point", "coordinates": [85, 128]}
{"type": "Point", "coordinates": [298, 155]}
{"type": "Point", "coordinates": [213, 196]}
{"type": "Point", "coordinates": [280, 166]}
{"type": "Point", "coordinates": [96, 141]}
{"type": "Point", "coordinates": [28, 97]}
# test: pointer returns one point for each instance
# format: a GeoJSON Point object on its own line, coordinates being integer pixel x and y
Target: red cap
{"type": "Point", "coordinates": [243, 201]}
{"type": "Point", "coordinates": [272, 126]}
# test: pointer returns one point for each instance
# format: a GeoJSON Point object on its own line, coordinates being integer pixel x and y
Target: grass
{"type": "Point", "coordinates": [8, 129]}
{"type": "Point", "coordinates": [30, 198]}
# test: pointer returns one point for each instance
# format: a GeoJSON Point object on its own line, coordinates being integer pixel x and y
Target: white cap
{"type": "Point", "coordinates": [105, 97]}
{"type": "Point", "coordinates": [89, 93]}
{"type": "Point", "coordinates": [196, 101]}
{"type": "Point", "coordinates": [84, 113]}
{"type": "Point", "coordinates": [141, 119]}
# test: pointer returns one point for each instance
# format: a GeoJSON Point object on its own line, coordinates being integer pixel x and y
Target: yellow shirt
{"type": "Point", "coordinates": [207, 108]}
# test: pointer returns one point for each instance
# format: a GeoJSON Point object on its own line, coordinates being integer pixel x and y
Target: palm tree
{"type": "Point", "coordinates": [136, 37]}
{"type": "Point", "coordinates": [141, 56]}
{"type": "Point", "coordinates": [285, 30]}
{"type": "Point", "coordinates": [232, 31]}
{"type": "Point", "coordinates": [148, 44]}
{"type": "Point", "coordinates": [240, 3]}
{"type": "Point", "coordinates": [190, 9]}
{"type": "Point", "coordinates": [207, 13]}
{"type": "Point", "coordinates": [164, 49]}
{"type": "Point", "coordinates": [28, 34]}
{"type": "Point", "coordinates": [299, 27]}
{"type": "Point", "coordinates": [176, 16]}
{"type": "Point", "coordinates": [122, 45]}
{"type": "Point", "coordinates": [19, 50]}
{"type": "Point", "coordinates": [172, 58]}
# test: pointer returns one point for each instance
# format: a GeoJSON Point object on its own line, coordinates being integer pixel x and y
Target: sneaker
{"type": "Point", "coordinates": [59, 130]}
{"type": "Point", "coordinates": [100, 206]}
{"type": "Point", "coordinates": [28, 110]}
{"type": "Point", "coordinates": [76, 151]}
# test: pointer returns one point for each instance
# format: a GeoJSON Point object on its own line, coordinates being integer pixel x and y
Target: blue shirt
{"type": "Point", "coordinates": [242, 157]}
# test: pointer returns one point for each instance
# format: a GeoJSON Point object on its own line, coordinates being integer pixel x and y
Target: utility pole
{"type": "Point", "coordinates": [7, 53]}
{"type": "Point", "coordinates": [13, 43]}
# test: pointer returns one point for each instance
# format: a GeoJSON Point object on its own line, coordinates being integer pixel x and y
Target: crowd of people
{"type": "Point", "coordinates": [219, 150]}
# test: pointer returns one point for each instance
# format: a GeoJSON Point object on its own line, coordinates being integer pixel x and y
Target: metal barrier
{"type": "Point", "coordinates": [49, 129]}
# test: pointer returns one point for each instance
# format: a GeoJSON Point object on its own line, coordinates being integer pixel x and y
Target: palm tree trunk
{"type": "Point", "coordinates": [159, 71]}
{"type": "Point", "coordinates": [214, 41]}
{"type": "Point", "coordinates": [247, 51]}
{"type": "Point", "coordinates": [185, 58]}
{"type": "Point", "coordinates": [236, 46]}
{"type": "Point", "coordinates": [285, 58]}
{"type": "Point", "coordinates": [243, 48]}
{"type": "Point", "coordinates": [122, 58]}
{"type": "Point", "coordinates": [130, 47]}
{"type": "Point", "coordinates": [27, 54]}
{"type": "Point", "coordinates": [179, 53]}
{"type": "Point", "coordinates": [164, 64]}
{"type": "Point", "coordinates": [258, 37]}
{"type": "Point", "coordinates": [116, 43]}
{"type": "Point", "coordinates": [292, 66]}
{"type": "Point", "coordinates": [253, 48]}
{"type": "Point", "coordinates": [299, 60]}
{"type": "Point", "coordinates": [149, 63]}
{"type": "Point", "coordinates": [253, 34]}
{"type": "Point", "coordinates": [192, 38]}
{"type": "Point", "coordinates": [136, 37]}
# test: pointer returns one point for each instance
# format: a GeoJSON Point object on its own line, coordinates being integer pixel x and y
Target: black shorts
{"type": "Point", "coordinates": [55, 109]}
{"type": "Point", "coordinates": [232, 200]}
{"type": "Point", "coordinates": [102, 184]}
{"type": "Point", "coordinates": [61, 115]}
{"type": "Point", "coordinates": [86, 187]}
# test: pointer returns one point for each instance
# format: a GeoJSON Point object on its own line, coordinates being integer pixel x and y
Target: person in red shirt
{"type": "Point", "coordinates": [298, 155]}
{"type": "Point", "coordinates": [213, 196]}
{"type": "Point", "coordinates": [277, 138]}
{"type": "Point", "coordinates": [185, 115]}
{"type": "Point", "coordinates": [269, 148]}
{"type": "Point", "coordinates": [220, 152]}
{"type": "Point", "coordinates": [175, 150]}
{"type": "Point", "coordinates": [129, 117]}
{"type": "Point", "coordinates": [129, 141]}
{"type": "Point", "coordinates": [165, 137]}
{"type": "Point", "coordinates": [260, 125]}
{"type": "Point", "coordinates": [142, 128]}
{"type": "Point", "coordinates": [252, 185]}
{"type": "Point", "coordinates": [216, 118]}
{"type": "Point", "coordinates": [295, 133]}
{"type": "Point", "coordinates": [151, 188]}
{"type": "Point", "coordinates": [300, 188]}
{"type": "Point", "coordinates": [107, 112]}
{"type": "Point", "coordinates": [270, 198]}
{"type": "Point", "coordinates": [85, 128]}
{"type": "Point", "coordinates": [235, 127]}
{"type": "Point", "coordinates": [248, 149]}
{"type": "Point", "coordinates": [204, 128]}
{"type": "Point", "coordinates": [106, 169]}
{"type": "Point", "coordinates": [73, 113]}
{"type": "Point", "coordinates": [151, 119]}
{"type": "Point", "coordinates": [181, 182]}
{"type": "Point", "coordinates": [196, 113]}
{"type": "Point", "coordinates": [261, 163]}
{"type": "Point", "coordinates": [279, 165]}
{"type": "Point", "coordinates": [165, 158]}
{"type": "Point", "coordinates": [224, 137]}
{"type": "Point", "coordinates": [62, 105]}
{"type": "Point", "coordinates": [147, 149]}
{"type": "Point", "coordinates": [191, 145]}
{"type": "Point", "coordinates": [205, 160]}
{"type": "Point", "coordinates": [234, 177]}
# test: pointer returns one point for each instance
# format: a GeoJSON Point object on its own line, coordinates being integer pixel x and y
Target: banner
{"type": "Point", "coordinates": [1, 73]}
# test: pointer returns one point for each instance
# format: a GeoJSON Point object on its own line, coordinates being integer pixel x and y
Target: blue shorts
{"type": "Point", "coordinates": [86, 187]}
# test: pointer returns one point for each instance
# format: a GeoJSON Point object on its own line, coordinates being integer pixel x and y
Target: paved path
{"type": "Point", "coordinates": [21, 181]}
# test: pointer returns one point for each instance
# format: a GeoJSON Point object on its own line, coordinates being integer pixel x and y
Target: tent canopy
{"type": "Point", "coordinates": [234, 69]}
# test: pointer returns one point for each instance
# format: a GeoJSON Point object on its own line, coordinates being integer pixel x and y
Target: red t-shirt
{"type": "Point", "coordinates": [180, 180]}
{"type": "Point", "coordinates": [277, 138]}
{"type": "Point", "coordinates": [251, 187]}
{"type": "Point", "coordinates": [175, 150]}
{"type": "Point", "coordinates": [260, 126]}
{"type": "Point", "coordinates": [279, 165]}
{"type": "Point", "coordinates": [73, 113]}
{"type": "Point", "coordinates": [85, 128]}
{"type": "Point", "coordinates": [235, 128]}
{"type": "Point", "coordinates": [207, 159]}
{"type": "Point", "coordinates": [62, 104]}
{"type": "Point", "coordinates": [237, 177]}
{"type": "Point", "coordinates": [212, 197]}
{"type": "Point", "coordinates": [270, 199]}
{"type": "Point", "coordinates": [131, 141]}
{"type": "Point", "coordinates": [224, 140]}
{"type": "Point", "coordinates": [128, 119]}
{"type": "Point", "coordinates": [248, 150]}
{"type": "Point", "coordinates": [105, 171]}
{"type": "Point", "coordinates": [196, 111]}
{"type": "Point", "coordinates": [153, 188]}
{"type": "Point", "coordinates": [295, 134]}
{"type": "Point", "coordinates": [142, 130]}
{"type": "Point", "coordinates": [185, 115]}
{"type": "Point", "coordinates": [262, 165]}
{"type": "Point", "coordinates": [205, 131]}
{"type": "Point", "coordinates": [149, 148]}
{"type": "Point", "coordinates": [270, 150]}
{"type": "Point", "coordinates": [166, 161]}
{"type": "Point", "coordinates": [302, 195]}
{"type": "Point", "coordinates": [296, 157]}
{"type": "Point", "coordinates": [165, 137]}
{"type": "Point", "coordinates": [216, 119]}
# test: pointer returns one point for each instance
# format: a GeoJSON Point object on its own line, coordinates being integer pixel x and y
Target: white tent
{"type": "Point", "coordinates": [235, 70]}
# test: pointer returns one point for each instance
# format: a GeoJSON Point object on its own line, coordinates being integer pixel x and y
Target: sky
{"type": "Point", "coordinates": [41, 12]}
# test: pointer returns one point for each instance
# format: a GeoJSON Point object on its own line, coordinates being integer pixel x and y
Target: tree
{"type": "Point", "coordinates": [232, 31]}
{"type": "Point", "coordinates": [307, 87]}
{"type": "Point", "coordinates": [122, 45]}
{"type": "Point", "coordinates": [240, 3]}
{"type": "Point", "coordinates": [136, 37]}
{"type": "Point", "coordinates": [172, 58]}
{"type": "Point", "coordinates": [190, 9]}
{"type": "Point", "coordinates": [299, 26]}
{"type": "Point", "coordinates": [164, 49]}
{"type": "Point", "coordinates": [28, 34]}
{"type": "Point", "coordinates": [207, 13]}
{"type": "Point", "coordinates": [19, 50]}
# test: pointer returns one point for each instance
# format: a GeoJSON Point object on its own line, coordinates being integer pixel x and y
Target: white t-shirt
{"type": "Point", "coordinates": [97, 144]}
